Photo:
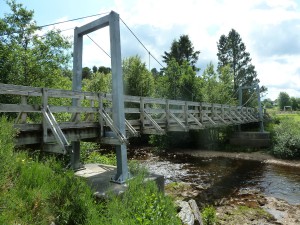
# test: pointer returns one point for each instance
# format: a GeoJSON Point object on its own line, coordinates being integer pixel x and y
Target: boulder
{"type": "Point", "coordinates": [186, 214]}
{"type": "Point", "coordinates": [189, 212]}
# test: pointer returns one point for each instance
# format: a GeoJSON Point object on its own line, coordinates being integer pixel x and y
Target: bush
{"type": "Point", "coordinates": [160, 142]}
{"type": "Point", "coordinates": [209, 215]}
{"type": "Point", "coordinates": [287, 138]}
{"type": "Point", "coordinates": [36, 191]}
{"type": "Point", "coordinates": [141, 204]}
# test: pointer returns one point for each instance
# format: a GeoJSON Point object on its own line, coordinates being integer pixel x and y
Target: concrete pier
{"type": "Point", "coordinates": [99, 176]}
{"type": "Point", "coordinates": [251, 139]}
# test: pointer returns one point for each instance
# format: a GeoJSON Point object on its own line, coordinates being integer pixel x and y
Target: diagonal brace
{"type": "Point", "coordinates": [57, 132]}
{"type": "Point", "coordinates": [110, 123]}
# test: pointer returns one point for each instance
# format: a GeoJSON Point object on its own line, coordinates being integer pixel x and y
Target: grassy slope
{"type": "Point", "coordinates": [35, 191]}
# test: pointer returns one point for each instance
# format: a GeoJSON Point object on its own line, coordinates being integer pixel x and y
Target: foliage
{"type": "Point", "coordinates": [97, 157]}
{"type": "Point", "coordinates": [295, 103]}
{"type": "Point", "coordinates": [138, 80]}
{"type": "Point", "coordinates": [267, 103]}
{"type": "Point", "coordinates": [141, 204]}
{"type": "Point", "coordinates": [90, 153]}
{"type": "Point", "coordinates": [179, 82]}
{"type": "Point", "coordinates": [182, 51]}
{"type": "Point", "coordinates": [7, 135]}
{"type": "Point", "coordinates": [283, 100]}
{"type": "Point", "coordinates": [42, 192]}
{"type": "Point", "coordinates": [232, 51]}
{"type": "Point", "coordinates": [213, 83]}
{"type": "Point", "coordinates": [34, 192]}
{"type": "Point", "coordinates": [287, 138]}
{"type": "Point", "coordinates": [27, 58]}
{"type": "Point", "coordinates": [103, 69]}
{"type": "Point", "coordinates": [159, 141]}
{"type": "Point", "coordinates": [209, 215]}
{"type": "Point", "coordinates": [86, 73]}
{"type": "Point", "coordinates": [99, 82]}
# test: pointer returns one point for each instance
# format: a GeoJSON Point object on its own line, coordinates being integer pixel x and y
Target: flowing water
{"type": "Point", "coordinates": [224, 177]}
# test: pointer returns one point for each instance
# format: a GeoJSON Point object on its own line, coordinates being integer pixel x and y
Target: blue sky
{"type": "Point", "coordinates": [270, 30]}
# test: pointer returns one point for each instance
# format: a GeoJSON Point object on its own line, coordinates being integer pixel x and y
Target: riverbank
{"type": "Point", "coordinates": [246, 204]}
{"type": "Point", "coordinates": [255, 156]}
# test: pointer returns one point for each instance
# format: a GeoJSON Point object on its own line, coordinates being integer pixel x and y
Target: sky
{"type": "Point", "coordinates": [270, 30]}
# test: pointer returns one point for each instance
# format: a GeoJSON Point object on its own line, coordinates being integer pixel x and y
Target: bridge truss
{"type": "Point", "coordinates": [47, 116]}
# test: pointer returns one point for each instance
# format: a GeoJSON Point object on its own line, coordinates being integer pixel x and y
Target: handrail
{"type": "Point", "coordinates": [156, 115]}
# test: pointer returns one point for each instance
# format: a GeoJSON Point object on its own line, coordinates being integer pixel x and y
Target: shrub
{"type": "Point", "coordinates": [141, 204]}
{"type": "Point", "coordinates": [7, 135]}
{"type": "Point", "coordinates": [34, 191]}
{"type": "Point", "coordinates": [287, 138]}
{"type": "Point", "coordinates": [160, 142]}
{"type": "Point", "coordinates": [209, 215]}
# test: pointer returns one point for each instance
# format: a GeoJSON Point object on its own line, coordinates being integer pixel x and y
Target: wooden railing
{"type": "Point", "coordinates": [90, 117]}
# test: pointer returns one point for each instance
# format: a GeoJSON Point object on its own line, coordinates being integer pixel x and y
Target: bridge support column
{"type": "Point", "coordinates": [118, 96]}
{"type": "Point", "coordinates": [118, 115]}
{"type": "Point", "coordinates": [122, 168]}
{"type": "Point", "coordinates": [75, 156]}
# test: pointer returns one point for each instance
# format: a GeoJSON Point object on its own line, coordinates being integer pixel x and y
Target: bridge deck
{"type": "Point", "coordinates": [91, 119]}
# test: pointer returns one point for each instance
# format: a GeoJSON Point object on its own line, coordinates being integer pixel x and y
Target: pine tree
{"type": "Point", "coordinates": [182, 50]}
{"type": "Point", "coordinates": [232, 51]}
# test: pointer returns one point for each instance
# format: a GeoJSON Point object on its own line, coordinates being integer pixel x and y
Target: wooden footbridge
{"type": "Point", "coordinates": [47, 117]}
{"type": "Point", "coordinates": [57, 120]}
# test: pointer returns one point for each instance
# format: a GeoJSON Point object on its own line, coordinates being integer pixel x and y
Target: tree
{"type": "Point", "coordinates": [95, 69]}
{"type": "Point", "coordinates": [29, 59]}
{"type": "Point", "coordinates": [182, 50]}
{"type": "Point", "coordinates": [138, 80]}
{"type": "Point", "coordinates": [294, 103]}
{"type": "Point", "coordinates": [86, 73]}
{"type": "Point", "coordinates": [232, 51]}
{"type": "Point", "coordinates": [103, 69]}
{"type": "Point", "coordinates": [217, 87]}
{"type": "Point", "coordinates": [178, 82]}
{"type": "Point", "coordinates": [283, 100]}
{"type": "Point", "coordinates": [268, 103]}
{"type": "Point", "coordinates": [99, 82]}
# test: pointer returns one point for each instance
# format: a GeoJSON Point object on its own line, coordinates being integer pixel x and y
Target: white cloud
{"type": "Point", "coordinates": [269, 29]}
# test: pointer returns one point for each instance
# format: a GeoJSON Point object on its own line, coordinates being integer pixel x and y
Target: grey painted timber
{"type": "Point", "coordinates": [155, 116]}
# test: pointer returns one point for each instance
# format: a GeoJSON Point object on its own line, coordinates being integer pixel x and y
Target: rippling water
{"type": "Point", "coordinates": [222, 177]}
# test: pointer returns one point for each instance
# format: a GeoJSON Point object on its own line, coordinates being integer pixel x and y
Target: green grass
{"type": "Point", "coordinates": [294, 116]}
{"type": "Point", "coordinates": [40, 191]}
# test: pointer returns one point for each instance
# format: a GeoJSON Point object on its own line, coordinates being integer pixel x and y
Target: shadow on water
{"type": "Point", "coordinates": [224, 177]}
{"type": "Point", "coordinates": [220, 177]}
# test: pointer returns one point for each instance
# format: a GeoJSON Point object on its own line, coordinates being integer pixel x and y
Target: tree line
{"type": "Point", "coordinates": [27, 58]}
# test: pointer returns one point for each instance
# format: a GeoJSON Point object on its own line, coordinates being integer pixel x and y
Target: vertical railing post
{"type": "Point", "coordinates": [186, 116]}
{"type": "Point", "coordinates": [22, 115]}
{"type": "Point", "coordinates": [101, 121]}
{"type": "Point", "coordinates": [167, 114]}
{"type": "Point", "coordinates": [201, 113]}
{"type": "Point", "coordinates": [142, 115]}
{"type": "Point", "coordinates": [45, 103]}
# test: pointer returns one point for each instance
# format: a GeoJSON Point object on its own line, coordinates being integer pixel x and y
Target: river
{"type": "Point", "coordinates": [221, 177]}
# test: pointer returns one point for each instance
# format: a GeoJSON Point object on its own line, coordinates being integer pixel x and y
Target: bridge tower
{"type": "Point", "coordinates": [118, 116]}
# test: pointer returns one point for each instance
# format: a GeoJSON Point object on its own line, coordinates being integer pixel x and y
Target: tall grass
{"type": "Point", "coordinates": [35, 191]}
